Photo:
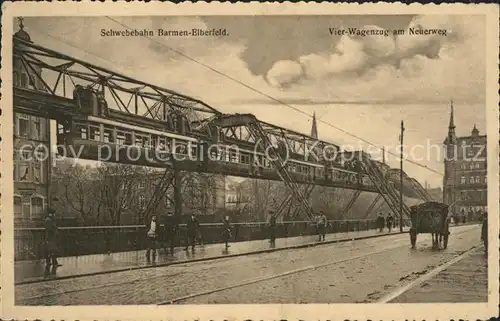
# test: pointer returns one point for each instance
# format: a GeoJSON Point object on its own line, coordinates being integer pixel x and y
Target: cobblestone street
{"type": "Point", "coordinates": [355, 271]}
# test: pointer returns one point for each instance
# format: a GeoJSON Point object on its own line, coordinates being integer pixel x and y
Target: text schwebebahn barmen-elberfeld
{"type": "Point", "coordinates": [164, 33]}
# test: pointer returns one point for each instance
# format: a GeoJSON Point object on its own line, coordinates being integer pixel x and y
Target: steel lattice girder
{"type": "Point", "coordinates": [129, 95]}
{"type": "Point", "coordinates": [166, 180]}
{"type": "Point", "coordinates": [288, 200]}
{"type": "Point", "coordinates": [372, 205]}
{"type": "Point", "coordinates": [145, 100]}
{"type": "Point", "coordinates": [236, 127]}
{"type": "Point", "coordinates": [348, 206]}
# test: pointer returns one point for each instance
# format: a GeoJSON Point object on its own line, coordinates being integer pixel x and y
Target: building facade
{"type": "Point", "coordinates": [465, 186]}
{"type": "Point", "coordinates": [202, 195]}
{"type": "Point", "coordinates": [31, 146]}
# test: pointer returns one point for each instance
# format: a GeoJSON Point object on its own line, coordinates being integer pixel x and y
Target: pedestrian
{"type": "Point", "coordinates": [226, 230]}
{"type": "Point", "coordinates": [484, 232]}
{"type": "Point", "coordinates": [192, 227]}
{"type": "Point", "coordinates": [51, 238]}
{"type": "Point", "coordinates": [321, 226]}
{"type": "Point", "coordinates": [272, 228]}
{"type": "Point", "coordinates": [380, 222]}
{"type": "Point", "coordinates": [170, 232]}
{"type": "Point", "coordinates": [199, 236]}
{"type": "Point", "coordinates": [151, 238]}
{"type": "Point", "coordinates": [390, 222]}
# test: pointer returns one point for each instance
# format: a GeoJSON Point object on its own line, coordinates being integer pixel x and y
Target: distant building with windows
{"type": "Point", "coordinates": [235, 198]}
{"type": "Point", "coordinates": [31, 146]}
{"type": "Point", "coordinates": [465, 186]}
{"type": "Point", "coordinates": [436, 193]}
{"type": "Point", "coordinates": [202, 195]}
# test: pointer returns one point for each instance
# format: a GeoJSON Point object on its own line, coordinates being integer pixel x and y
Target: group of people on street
{"type": "Point", "coordinates": [167, 234]}
{"type": "Point", "coordinates": [383, 222]}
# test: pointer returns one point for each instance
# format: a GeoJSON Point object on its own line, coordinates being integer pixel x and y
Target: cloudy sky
{"type": "Point", "coordinates": [363, 85]}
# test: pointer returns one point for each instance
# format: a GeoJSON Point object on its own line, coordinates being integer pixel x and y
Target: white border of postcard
{"type": "Point", "coordinates": [243, 312]}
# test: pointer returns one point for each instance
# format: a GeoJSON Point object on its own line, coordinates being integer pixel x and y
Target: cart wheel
{"type": "Point", "coordinates": [445, 241]}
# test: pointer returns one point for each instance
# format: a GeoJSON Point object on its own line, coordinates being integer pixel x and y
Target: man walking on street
{"type": "Point", "coordinates": [381, 222]}
{"type": "Point", "coordinates": [390, 222]}
{"type": "Point", "coordinates": [151, 239]}
{"type": "Point", "coordinates": [170, 231]}
{"type": "Point", "coordinates": [192, 231]}
{"type": "Point", "coordinates": [226, 230]}
{"type": "Point", "coordinates": [484, 232]}
{"type": "Point", "coordinates": [272, 228]}
{"type": "Point", "coordinates": [322, 227]}
{"type": "Point", "coordinates": [51, 235]}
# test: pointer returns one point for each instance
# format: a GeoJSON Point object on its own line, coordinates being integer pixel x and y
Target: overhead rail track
{"type": "Point", "coordinates": [96, 107]}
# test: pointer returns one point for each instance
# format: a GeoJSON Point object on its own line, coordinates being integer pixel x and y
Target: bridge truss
{"type": "Point", "coordinates": [95, 106]}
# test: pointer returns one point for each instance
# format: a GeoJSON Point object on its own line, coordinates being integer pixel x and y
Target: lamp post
{"type": "Point", "coordinates": [401, 181]}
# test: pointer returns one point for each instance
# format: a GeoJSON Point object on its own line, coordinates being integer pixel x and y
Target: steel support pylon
{"type": "Point", "coordinates": [388, 192]}
{"type": "Point", "coordinates": [348, 206]}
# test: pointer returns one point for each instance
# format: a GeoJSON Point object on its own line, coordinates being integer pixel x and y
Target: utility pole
{"type": "Point", "coordinates": [401, 181]}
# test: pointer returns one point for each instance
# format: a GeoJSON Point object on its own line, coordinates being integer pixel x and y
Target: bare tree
{"type": "Point", "coordinates": [200, 192]}
{"type": "Point", "coordinates": [119, 189]}
{"type": "Point", "coordinates": [73, 190]}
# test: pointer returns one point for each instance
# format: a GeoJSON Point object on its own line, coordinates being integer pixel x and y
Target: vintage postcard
{"type": "Point", "coordinates": [249, 161]}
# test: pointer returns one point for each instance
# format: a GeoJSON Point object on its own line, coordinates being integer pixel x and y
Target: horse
{"type": "Point", "coordinates": [439, 232]}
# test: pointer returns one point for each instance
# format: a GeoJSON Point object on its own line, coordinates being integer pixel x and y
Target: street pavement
{"type": "Point", "coordinates": [464, 281]}
{"type": "Point", "coordinates": [348, 272]}
{"type": "Point", "coordinates": [32, 271]}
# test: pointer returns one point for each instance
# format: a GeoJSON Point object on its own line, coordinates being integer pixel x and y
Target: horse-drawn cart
{"type": "Point", "coordinates": [430, 217]}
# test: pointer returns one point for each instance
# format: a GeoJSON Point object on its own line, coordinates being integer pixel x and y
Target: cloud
{"type": "Point", "coordinates": [399, 69]}
{"type": "Point", "coordinates": [372, 68]}
{"type": "Point", "coordinates": [349, 57]}
{"type": "Point", "coordinates": [284, 73]}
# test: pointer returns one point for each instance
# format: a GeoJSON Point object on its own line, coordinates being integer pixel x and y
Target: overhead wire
{"type": "Point", "coordinates": [244, 85]}
{"type": "Point", "coordinates": [270, 97]}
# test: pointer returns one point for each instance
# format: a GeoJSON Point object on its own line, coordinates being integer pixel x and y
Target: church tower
{"type": "Point", "coordinates": [314, 128]}
{"type": "Point", "coordinates": [31, 144]}
{"type": "Point", "coordinates": [450, 162]}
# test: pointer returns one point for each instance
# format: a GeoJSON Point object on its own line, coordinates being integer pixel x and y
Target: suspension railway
{"type": "Point", "coordinates": [112, 117]}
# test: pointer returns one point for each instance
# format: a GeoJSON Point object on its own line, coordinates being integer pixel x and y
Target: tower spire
{"type": "Point", "coordinates": [314, 128]}
{"type": "Point", "coordinates": [451, 138]}
{"type": "Point", "coordinates": [21, 25]}
{"type": "Point", "coordinates": [452, 120]}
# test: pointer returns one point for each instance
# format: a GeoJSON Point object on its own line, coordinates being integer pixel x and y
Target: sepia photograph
{"type": "Point", "coordinates": [201, 159]}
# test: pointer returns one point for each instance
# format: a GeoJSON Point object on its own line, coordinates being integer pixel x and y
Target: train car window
{"type": "Point", "coordinates": [146, 141]}
{"type": "Point", "coordinates": [233, 156]}
{"type": "Point", "coordinates": [107, 136]}
{"type": "Point", "coordinates": [194, 150]}
{"type": "Point", "coordinates": [181, 148]}
{"type": "Point", "coordinates": [120, 138]}
{"type": "Point", "coordinates": [82, 130]}
{"type": "Point", "coordinates": [213, 154]}
{"type": "Point", "coordinates": [128, 138]}
{"type": "Point", "coordinates": [245, 158]}
{"type": "Point", "coordinates": [138, 140]}
{"type": "Point", "coordinates": [95, 133]}
{"type": "Point", "coordinates": [154, 141]}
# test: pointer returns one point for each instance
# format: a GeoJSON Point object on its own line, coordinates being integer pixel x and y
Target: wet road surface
{"type": "Point", "coordinates": [31, 271]}
{"type": "Point", "coordinates": [355, 271]}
